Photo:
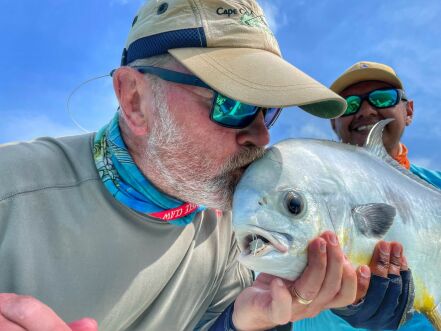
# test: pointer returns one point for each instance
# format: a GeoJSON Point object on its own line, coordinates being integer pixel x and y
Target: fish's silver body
{"type": "Point", "coordinates": [302, 187]}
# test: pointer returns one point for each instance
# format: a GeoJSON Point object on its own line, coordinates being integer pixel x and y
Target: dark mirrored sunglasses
{"type": "Point", "coordinates": [379, 99]}
{"type": "Point", "coordinates": [224, 111]}
{"type": "Point", "coordinates": [235, 114]}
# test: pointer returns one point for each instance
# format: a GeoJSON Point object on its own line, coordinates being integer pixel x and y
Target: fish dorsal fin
{"type": "Point", "coordinates": [374, 141]}
{"type": "Point", "coordinates": [374, 145]}
{"type": "Point", "coordinates": [373, 219]}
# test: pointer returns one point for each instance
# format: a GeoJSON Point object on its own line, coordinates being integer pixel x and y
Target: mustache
{"type": "Point", "coordinates": [243, 158]}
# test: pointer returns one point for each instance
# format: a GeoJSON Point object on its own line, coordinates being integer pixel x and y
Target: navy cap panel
{"type": "Point", "coordinates": [160, 43]}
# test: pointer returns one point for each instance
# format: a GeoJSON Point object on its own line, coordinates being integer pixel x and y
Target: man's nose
{"type": "Point", "coordinates": [366, 110]}
{"type": "Point", "coordinates": [256, 133]}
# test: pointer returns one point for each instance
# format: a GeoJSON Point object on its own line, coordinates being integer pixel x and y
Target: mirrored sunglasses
{"type": "Point", "coordinates": [379, 99]}
{"type": "Point", "coordinates": [224, 111]}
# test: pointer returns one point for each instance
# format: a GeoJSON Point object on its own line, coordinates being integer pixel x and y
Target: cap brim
{"type": "Point", "coordinates": [259, 77]}
{"type": "Point", "coordinates": [366, 74]}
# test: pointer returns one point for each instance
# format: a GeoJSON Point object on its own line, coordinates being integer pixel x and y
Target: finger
{"type": "Point", "coordinates": [379, 264]}
{"type": "Point", "coordinates": [26, 311]}
{"type": "Point", "coordinates": [334, 270]}
{"type": "Point", "coordinates": [8, 325]}
{"type": "Point", "coordinates": [84, 324]}
{"type": "Point", "coordinates": [363, 281]}
{"type": "Point", "coordinates": [310, 281]}
{"type": "Point", "coordinates": [280, 308]}
{"type": "Point", "coordinates": [348, 287]}
{"type": "Point", "coordinates": [6, 297]}
{"type": "Point", "coordinates": [396, 250]}
{"type": "Point", "coordinates": [264, 278]}
{"type": "Point", "coordinates": [404, 265]}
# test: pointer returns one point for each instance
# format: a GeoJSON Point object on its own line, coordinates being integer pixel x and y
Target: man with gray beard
{"type": "Point", "coordinates": [131, 225]}
{"type": "Point", "coordinates": [167, 148]}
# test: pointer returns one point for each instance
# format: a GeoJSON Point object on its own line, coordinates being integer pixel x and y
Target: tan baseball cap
{"type": "Point", "coordinates": [364, 71]}
{"type": "Point", "coordinates": [228, 45]}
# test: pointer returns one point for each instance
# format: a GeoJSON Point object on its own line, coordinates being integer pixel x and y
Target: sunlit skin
{"type": "Point", "coordinates": [190, 106]}
{"type": "Point", "coordinates": [348, 128]}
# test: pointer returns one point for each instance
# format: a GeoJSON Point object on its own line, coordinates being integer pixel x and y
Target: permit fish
{"type": "Point", "coordinates": [303, 187]}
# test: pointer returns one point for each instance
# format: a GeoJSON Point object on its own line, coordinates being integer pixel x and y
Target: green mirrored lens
{"type": "Point", "coordinates": [383, 98]}
{"type": "Point", "coordinates": [232, 113]}
{"type": "Point", "coordinates": [353, 102]}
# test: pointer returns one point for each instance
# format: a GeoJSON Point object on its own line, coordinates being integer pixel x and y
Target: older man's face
{"type": "Point", "coordinates": [354, 129]}
{"type": "Point", "coordinates": [197, 160]}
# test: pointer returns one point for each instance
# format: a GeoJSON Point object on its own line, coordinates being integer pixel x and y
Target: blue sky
{"type": "Point", "coordinates": [51, 46]}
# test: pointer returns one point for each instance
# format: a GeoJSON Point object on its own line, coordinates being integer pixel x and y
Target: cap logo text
{"type": "Point", "coordinates": [229, 11]}
{"type": "Point", "coordinates": [247, 17]}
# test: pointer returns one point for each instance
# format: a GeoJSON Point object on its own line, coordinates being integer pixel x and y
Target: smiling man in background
{"type": "Point", "coordinates": [373, 93]}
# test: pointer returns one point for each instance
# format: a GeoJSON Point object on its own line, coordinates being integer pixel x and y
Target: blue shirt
{"type": "Point", "coordinates": [430, 176]}
{"type": "Point", "coordinates": [328, 321]}
{"type": "Point", "coordinates": [331, 322]}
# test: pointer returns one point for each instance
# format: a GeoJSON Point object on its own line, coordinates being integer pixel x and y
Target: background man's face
{"type": "Point", "coordinates": [354, 129]}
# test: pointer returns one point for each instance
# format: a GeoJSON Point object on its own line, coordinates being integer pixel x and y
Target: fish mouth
{"type": "Point", "coordinates": [259, 241]}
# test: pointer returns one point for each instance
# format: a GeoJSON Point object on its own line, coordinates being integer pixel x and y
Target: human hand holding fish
{"type": "Point", "coordinates": [319, 285]}
{"type": "Point", "coordinates": [384, 300]}
{"type": "Point", "coordinates": [329, 280]}
{"type": "Point", "coordinates": [387, 259]}
{"type": "Point", "coordinates": [25, 313]}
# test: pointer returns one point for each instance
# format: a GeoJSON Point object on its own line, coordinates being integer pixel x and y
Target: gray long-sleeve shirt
{"type": "Point", "coordinates": [65, 240]}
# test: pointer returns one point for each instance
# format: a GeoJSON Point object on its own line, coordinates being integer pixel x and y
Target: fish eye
{"type": "Point", "coordinates": [294, 203]}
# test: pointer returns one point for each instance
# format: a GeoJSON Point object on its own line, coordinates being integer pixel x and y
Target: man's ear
{"type": "Point", "coordinates": [129, 86]}
{"type": "Point", "coordinates": [409, 112]}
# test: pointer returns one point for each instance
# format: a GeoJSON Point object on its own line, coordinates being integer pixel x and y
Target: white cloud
{"type": "Point", "coordinates": [275, 18]}
{"type": "Point", "coordinates": [309, 130]}
{"type": "Point", "coordinates": [424, 162]}
{"type": "Point", "coordinates": [92, 105]}
{"type": "Point", "coordinates": [28, 126]}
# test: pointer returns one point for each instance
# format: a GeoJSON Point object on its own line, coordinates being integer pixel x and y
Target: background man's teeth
{"type": "Point", "coordinates": [365, 127]}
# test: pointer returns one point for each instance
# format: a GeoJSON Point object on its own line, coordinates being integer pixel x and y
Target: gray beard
{"type": "Point", "coordinates": [183, 170]}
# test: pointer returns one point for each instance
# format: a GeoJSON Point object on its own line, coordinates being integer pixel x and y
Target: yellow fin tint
{"type": "Point", "coordinates": [424, 301]}
{"type": "Point", "coordinates": [435, 318]}
{"type": "Point", "coordinates": [344, 237]}
{"type": "Point", "coordinates": [356, 257]}
{"type": "Point", "coordinates": [359, 258]}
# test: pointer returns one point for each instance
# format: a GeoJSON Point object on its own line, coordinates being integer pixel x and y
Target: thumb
{"type": "Point", "coordinates": [84, 324]}
{"type": "Point", "coordinates": [279, 311]}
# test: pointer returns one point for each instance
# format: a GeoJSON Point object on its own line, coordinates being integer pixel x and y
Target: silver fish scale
{"type": "Point", "coordinates": [339, 177]}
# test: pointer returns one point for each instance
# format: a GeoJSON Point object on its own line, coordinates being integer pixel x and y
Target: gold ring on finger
{"type": "Point", "coordinates": [299, 298]}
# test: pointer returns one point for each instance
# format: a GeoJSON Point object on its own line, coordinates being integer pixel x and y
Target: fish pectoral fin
{"type": "Point", "coordinates": [373, 219]}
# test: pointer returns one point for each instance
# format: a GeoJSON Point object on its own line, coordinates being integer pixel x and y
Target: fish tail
{"type": "Point", "coordinates": [434, 317]}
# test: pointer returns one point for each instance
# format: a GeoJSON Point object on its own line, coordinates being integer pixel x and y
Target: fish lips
{"type": "Point", "coordinates": [273, 241]}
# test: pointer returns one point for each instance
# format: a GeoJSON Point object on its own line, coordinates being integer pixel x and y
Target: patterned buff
{"type": "Point", "coordinates": [128, 185]}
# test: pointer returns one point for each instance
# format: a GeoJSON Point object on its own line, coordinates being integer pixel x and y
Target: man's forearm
{"type": "Point", "coordinates": [225, 322]}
